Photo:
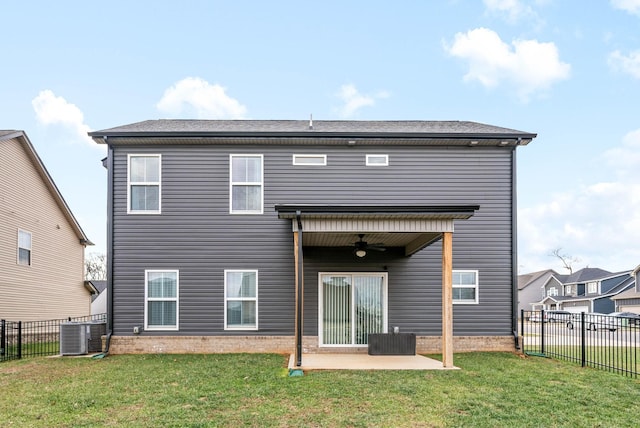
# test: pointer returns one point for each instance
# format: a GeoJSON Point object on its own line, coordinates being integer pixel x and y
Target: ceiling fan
{"type": "Point", "coordinates": [362, 246]}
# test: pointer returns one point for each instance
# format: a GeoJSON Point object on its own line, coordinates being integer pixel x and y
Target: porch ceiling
{"type": "Point", "coordinates": [411, 241]}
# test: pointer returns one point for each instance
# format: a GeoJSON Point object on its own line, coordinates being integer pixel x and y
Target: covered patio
{"type": "Point", "coordinates": [367, 362]}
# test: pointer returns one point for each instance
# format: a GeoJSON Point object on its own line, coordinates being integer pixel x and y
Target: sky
{"type": "Point", "coordinates": [566, 70]}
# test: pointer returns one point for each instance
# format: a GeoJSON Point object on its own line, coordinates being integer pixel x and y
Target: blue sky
{"type": "Point", "coordinates": [566, 70]}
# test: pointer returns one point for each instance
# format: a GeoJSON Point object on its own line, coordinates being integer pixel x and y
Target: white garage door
{"type": "Point", "coordinates": [630, 308]}
{"type": "Point", "coordinates": [577, 309]}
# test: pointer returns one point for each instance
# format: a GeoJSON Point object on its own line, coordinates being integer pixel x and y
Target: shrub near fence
{"type": "Point", "coordinates": [20, 339]}
{"type": "Point", "coordinates": [591, 340]}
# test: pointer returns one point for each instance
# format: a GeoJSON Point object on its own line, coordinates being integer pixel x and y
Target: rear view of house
{"type": "Point", "coordinates": [41, 243]}
{"type": "Point", "coordinates": [283, 236]}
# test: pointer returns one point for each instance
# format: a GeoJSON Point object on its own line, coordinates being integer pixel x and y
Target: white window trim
{"type": "Point", "coordinates": [476, 286]}
{"type": "Point", "coordinates": [385, 315]}
{"type": "Point", "coordinates": [144, 183]}
{"type": "Point", "coordinates": [30, 248]}
{"type": "Point", "coordinates": [368, 161]}
{"type": "Point", "coordinates": [554, 294]}
{"type": "Point", "coordinates": [595, 283]}
{"type": "Point", "coordinates": [567, 290]}
{"type": "Point", "coordinates": [239, 299]}
{"type": "Point", "coordinates": [164, 299]}
{"type": "Point", "coordinates": [322, 160]}
{"type": "Point", "coordinates": [231, 184]}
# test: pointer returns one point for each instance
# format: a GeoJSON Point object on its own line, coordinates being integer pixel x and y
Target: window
{"type": "Point", "coordinates": [241, 299]}
{"type": "Point", "coordinates": [377, 160]}
{"type": "Point", "coordinates": [246, 184]}
{"type": "Point", "coordinates": [161, 300]}
{"type": "Point", "coordinates": [567, 290]}
{"type": "Point", "coordinates": [465, 286]}
{"type": "Point", "coordinates": [553, 291]}
{"type": "Point", "coordinates": [592, 287]}
{"type": "Point", "coordinates": [144, 184]}
{"type": "Point", "coordinates": [24, 247]}
{"type": "Point", "coordinates": [313, 160]}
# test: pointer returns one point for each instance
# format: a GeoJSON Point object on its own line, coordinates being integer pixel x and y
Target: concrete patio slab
{"type": "Point", "coordinates": [366, 362]}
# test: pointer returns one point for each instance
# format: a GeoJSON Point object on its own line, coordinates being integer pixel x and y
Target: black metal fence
{"type": "Point", "coordinates": [591, 340]}
{"type": "Point", "coordinates": [21, 339]}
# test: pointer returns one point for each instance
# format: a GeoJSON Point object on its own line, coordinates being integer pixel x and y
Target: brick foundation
{"type": "Point", "coordinates": [285, 344]}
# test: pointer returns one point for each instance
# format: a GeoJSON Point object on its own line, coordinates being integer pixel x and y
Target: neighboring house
{"type": "Point", "coordinates": [531, 287]}
{"type": "Point", "coordinates": [41, 243]}
{"type": "Point", "coordinates": [282, 236]}
{"type": "Point", "coordinates": [587, 290]}
{"type": "Point", "coordinates": [98, 296]}
{"type": "Point", "coordinates": [629, 300]}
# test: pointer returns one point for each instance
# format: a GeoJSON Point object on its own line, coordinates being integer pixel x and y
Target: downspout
{"type": "Point", "coordinates": [514, 250]}
{"type": "Point", "coordinates": [110, 211]}
{"type": "Point", "coordinates": [300, 302]}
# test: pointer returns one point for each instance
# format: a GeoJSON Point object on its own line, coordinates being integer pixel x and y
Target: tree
{"type": "Point", "coordinates": [567, 260]}
{"type": "Point", "coordinates": [95, 265]}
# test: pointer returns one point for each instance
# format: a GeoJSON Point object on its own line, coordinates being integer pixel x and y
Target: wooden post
{"type": "Point", "coordinates": [298, 302]}
{"type": "Point", "coordinates": [447, 300]}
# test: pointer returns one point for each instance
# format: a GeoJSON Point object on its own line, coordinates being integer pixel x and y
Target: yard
{"type": "Point", "coordinates": [491, 390]}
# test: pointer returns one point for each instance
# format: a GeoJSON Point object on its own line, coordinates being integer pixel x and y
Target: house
{"type": "Point", "coordinates": [306, 236]}
{"type": "Point", "coordinates": [587, 290]}
{"type": "Point", "coordinates": [531, 287]}
{"type": "Point", "coordinates": [98, 296]}
{"type": "Point", "coordinates": [629, 300]}
{"type": "Point", "coordinates": [41, 243]}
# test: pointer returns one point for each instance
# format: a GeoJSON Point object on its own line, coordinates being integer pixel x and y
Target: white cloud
{"type": "Point", "coordinates": [528, 66]}
{"type": "Point", "coordinates": [512, 10]}
{"type": "Point", "coordinates": [195, 96]}
{"type": "Point", "coordinates": [53, 110]}
{"type": "Point", "coordinates": [629, 64]}
{"type": "Point", "coordinates": [354, 100]}
{"type": "Point", "coordinates": [597, 223]}
{"type": "Point", "coordinates": [631, 6]}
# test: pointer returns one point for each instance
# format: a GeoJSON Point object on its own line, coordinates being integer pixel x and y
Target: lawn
{"type": "Point", "coordinates": [491, 390]}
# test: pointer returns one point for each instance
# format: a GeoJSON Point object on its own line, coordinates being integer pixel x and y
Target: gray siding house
{"type": "Point", "coordinates": [300, 236]}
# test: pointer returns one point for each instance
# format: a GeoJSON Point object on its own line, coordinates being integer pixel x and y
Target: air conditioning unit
{"type": "Point", "coordinates": [74, 338]}
{"type": "Point", "coordinates": [96, 331]}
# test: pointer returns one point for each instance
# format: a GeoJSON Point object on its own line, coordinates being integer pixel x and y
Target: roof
{"type": "Point", "coordinates": [479, 132]}
{"type": "Point", "coordinates": [587, 274]}
{"type": "Point", "coordinates": [21, 137]}
{"type": "Point", "coordinates": [528, 278]}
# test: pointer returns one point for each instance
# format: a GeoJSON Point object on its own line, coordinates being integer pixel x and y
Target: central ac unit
{"type": "Point", "coordinates": [73, 338]}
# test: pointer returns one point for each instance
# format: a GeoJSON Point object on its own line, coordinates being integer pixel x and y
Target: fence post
{"type": "Point", "coordinates": [19, 339]}
{"type": "Point", "coordinates": [3, 337]}
{"type": "Point", "coordinates": [542, 331]}
{"type": "Point", "coordinates": [583, 345]}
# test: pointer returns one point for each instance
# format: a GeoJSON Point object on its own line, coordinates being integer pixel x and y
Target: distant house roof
{"type": "Point", "coordinates": [21, 137]}
{"type": "Point", "coordinates": [528, 278]}
{"type": "Point", "coordinates": [587, 274]}
{"type": "Point", "coordinates": [482, 134]}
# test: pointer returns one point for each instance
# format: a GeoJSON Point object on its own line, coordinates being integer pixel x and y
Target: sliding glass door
{"type": "Point", "coordinates": [352, 305]}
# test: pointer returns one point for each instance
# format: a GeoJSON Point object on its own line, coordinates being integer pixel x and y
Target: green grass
{"type": "Point", "coordinates": [491, 390]}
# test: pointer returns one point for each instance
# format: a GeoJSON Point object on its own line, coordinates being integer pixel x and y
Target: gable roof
{"type": "Point", "coordinates": [21, 138]}
{"type": "Point", "coordinates": [435, 130]}
{"type": "Point", "coordinates": [587, 274]}
{"type": "Point", "coordinates": [527, 278]}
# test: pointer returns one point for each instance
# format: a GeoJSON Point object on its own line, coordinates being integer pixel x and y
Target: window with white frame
{"type": "Point", "coordinates": [553, 291]}
{"type": "Point", "coordinates": [241, 299]}
{"type": "Point", "coordinates": [377, 160]}
{"type": "Point", "coordinates": [161, 299]}
{"type": "Point", "coordinates": [144, 180]}
{"type": "Point", "coordinates": [592, 287]}
{"type": "Point", "coordinates": [567, 290]}
{"type": "Point", "coordinates": [310, 160]}
{"type": "Point", "coordinates": [246, 184]}
{"type": "Point", "coordinates": [465, 286]}
{"type": "Point", "coordinates": [24, 247]}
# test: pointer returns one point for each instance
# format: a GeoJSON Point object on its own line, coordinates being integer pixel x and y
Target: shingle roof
{"type": "Point", "coordinates": [310, 128]}
{"type": "Point", "coordinates": [587, 274]}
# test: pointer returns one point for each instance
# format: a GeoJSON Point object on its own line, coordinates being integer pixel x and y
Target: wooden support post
{"type": "Point", "coordinates": [447, 299]}
{"type": "Point", "coordinates": [298, 301]}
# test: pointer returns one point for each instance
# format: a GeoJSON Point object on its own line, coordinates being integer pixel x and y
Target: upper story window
{"type": "Point", "coordinates": [465, 286]}
{"type": "Point", "coordinates": [246, 184]}
{"type": "Point", "coordinates": [241, 299]}
{"type": "Point", "coordinates": [553, 291]}
{"type": "Point", "coordinates": [161, 300]}
{"type": "Point", "coordinates": [24, 247]}
{"type": "Point", "coordinates": [311, 160]}
{"type": "Point", "coordinates": [144, 184]}
{"type": "Point", "coordinates": [377, 160]}
{"type": "Point", "coordinates": [567, 290]}
{"type": "Point", "coordinates": [592, 287]}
